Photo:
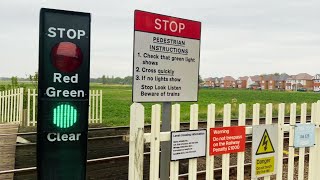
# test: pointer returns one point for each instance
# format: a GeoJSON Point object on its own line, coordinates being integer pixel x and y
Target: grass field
{"type": "Point", "coordinates": [117, 101]}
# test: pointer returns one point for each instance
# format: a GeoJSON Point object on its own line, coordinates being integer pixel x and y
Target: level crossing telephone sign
{"type": "Point", "coordinates": [63, 94]}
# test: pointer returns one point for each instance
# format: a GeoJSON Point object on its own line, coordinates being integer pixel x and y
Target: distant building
{"type": "Point", "coordinates": [241, 82]}
{"type": "Point", "coordinates": [228, 82]}
{"type": "Point", "coordinates": [299, 81]}
{"type": "Point", "coordinates": [253, 82]}
{"type": "Point", "coordinates": [316, 82]}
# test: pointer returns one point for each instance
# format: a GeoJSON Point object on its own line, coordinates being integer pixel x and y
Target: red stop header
{"type": "Point", "coordinates": [166, 25]}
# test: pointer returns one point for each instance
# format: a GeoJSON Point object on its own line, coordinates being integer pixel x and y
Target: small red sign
{"type": "Point", "coordinates": [167, 25]}
{"type": "Point", "coordinates": [224, 140]}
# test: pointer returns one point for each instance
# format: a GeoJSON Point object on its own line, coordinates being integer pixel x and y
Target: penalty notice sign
{"type": "Point", "coordinates": [264, 150]}
{"type": "Point", "coordinates": [166, 58]}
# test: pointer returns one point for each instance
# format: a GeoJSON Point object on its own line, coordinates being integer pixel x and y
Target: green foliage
{"type": "Point", "coordinates": [113, 80]}
{"type": "Point", "coordinates": [34, 80]}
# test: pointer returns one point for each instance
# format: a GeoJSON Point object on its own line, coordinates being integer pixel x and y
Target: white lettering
{"type": "Point", "coordinates": [70, 33]}
{"type": "Point", "coordinates": [57, 77]}
{"type": "Point", "coordinates": [81, 33]}
{"type": "Point", "coordinates": [52, 137]}
{"type": "Point", "coordinates": [52, 32]}
{"type": "Point", "coordinates": [73, 32]}
{"type": "Point", "coordinates": [157, 21]}
{"type": "Point", "coordinates": [61, 31]}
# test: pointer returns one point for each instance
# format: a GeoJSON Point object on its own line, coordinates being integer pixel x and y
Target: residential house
{"type": "Point", "coordinates": [302, 80]}
{"type": "Point", "coordinates": [253, 82]}
{"type": "Point", "coordinates": [264, 81]}
{"type": "Point", "coordinates": [242, 82]}
{"type": "Point", "coordinates": [228, 82]}
{"type": "Point", "coordinates": [280, 81]}
{"type": "Point", "coordinates": [208, 82]}
{"type": "Point", "coordinates": [316, 83]}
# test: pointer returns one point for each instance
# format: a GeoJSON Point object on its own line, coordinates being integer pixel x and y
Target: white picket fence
{"type": "Point", "coordinates": [95, 107]}
{"type": "Point", "coordinates": [138, 138]}
{"type": "Point", "coordinates": [11, 106]}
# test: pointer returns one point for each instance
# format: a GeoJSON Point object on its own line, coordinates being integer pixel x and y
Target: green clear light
{"type": "Point", "coordinates": [64, 115]}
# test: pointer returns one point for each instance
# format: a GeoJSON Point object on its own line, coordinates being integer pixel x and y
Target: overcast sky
{"type": "Point", "coordinates": [239, 37]}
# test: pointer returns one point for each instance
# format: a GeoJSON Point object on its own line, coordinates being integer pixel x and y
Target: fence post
{"type": "Point", "coordinates": [15, 106]}
{"type": "Point", "coordinates": [28, 108]}
{"type": "Point", "coordinates": [1, 105]}
{"type": "Point", "coordinates": [21, 105]}
{"type": "Point", "coordinates": [136, 142]}
{"type": "Point", "coordinates": [291, 138]}
{"type": "Point", "coordinates": [33, 107]}
{"type": "Point", "coordinates": [240, 158]}
{"type": "Point", "coordinates": [155, 142]}
{"type": "Point", "coordinates": [193, 125]}
{"type": "Point", "coordinates": [210, 124]}
{"type": "Point", "coordinates": [175, 126]}
{"type": "Point", "coordinates": [313, 150]}
{"type": "Point", "coordinates": [226, 157]}
{"type": "Point", "coordinates": [100, 106]}
{"type": "Point", "coordinates": [281, 113]}
{"type": "Point", "coordinates": [303, 120]}
{"type": "Point", "coordinates": [89, 116]}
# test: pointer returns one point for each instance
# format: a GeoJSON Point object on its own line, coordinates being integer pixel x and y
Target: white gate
{"type": "Point", "coordinates": [137, 139]}
{"type": "Point", "coordinates": [11, 106]}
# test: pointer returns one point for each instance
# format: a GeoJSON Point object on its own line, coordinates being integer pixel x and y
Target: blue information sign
{"type": "Point", "coordinates": [304, 135]}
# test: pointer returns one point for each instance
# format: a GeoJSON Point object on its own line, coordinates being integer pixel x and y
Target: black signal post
{"type": "Point", "coordinates": [63, 94]}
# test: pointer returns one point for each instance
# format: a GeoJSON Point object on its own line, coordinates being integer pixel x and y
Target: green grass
{"type": "Point", "coordinates": [117, 101]}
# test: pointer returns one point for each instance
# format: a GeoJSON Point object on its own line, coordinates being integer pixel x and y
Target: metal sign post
{"type": "Point", "coordinates": [165, 145]}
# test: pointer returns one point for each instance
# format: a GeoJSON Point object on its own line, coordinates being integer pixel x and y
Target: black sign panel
{"type": "Point", "coordinates": [63, 94]}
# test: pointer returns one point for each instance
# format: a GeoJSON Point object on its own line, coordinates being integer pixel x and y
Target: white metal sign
{"type": "Point", "coordinates": [188, 144]}
{"type": "Point", "coordinates": [264, 150]}
{"type": "Point", "coordinates": [166, 58]}
{"type": "Point", "coordinates": [304, 135]}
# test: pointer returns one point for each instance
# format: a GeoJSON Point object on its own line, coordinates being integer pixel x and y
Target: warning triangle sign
{"type": "Point", "coordinates": [265, 145]}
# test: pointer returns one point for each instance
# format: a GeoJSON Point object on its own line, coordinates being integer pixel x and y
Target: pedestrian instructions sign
{"type": "Point", "coordinates": [264, 150]}
{"type": "Point", "coordinates": [265, 145]}
{"type": "Point", "coordinates": [165, 59]}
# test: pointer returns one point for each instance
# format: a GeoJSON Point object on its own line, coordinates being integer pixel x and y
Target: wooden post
{"type": "Point", "coordinates": [136, 142]}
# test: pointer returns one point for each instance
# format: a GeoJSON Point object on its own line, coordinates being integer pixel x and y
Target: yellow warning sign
{"type": "Point", "coordinates": [265, 145]}
{"type": "Point", "coordinates": [265, 165]}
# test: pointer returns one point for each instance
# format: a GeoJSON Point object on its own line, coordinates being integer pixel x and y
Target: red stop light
{"type": "Point", "coordinates": [66, 56]}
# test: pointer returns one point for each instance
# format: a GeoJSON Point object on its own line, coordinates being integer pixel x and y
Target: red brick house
{"type": "Point", "coordinates": [242, 82]}
{"type": "Point", "coordinates": [228, 82]}
{"type": "Point", "coordinates": [299, 81]}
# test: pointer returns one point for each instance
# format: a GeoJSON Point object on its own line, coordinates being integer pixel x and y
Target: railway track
{"type": "Point", "coordinates": [106, 149]}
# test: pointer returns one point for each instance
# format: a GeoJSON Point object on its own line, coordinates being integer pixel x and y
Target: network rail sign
{"type": "Point", "coordinates": [63, 95]}
{"type": "Point", "coordinates": [166, 58]}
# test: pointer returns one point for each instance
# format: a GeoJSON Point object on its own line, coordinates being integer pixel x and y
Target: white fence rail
{"type": "Point", "coordinates": [137, 139]}
{"type": "Point", "coordinates": [95, 107]}
{"type": "Point", "coordinates": [11, 106]}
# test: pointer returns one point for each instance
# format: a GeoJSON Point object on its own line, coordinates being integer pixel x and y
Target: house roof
{"type": "Point", "coordinates": [255, 78]}
{"type": "Point", "coordinates": [228, 78]}
{"type": "Point", "coordinates": [209, 79]}
{"type": "Point", "coordinates": [244, 78]}
{"type": "Point", "coordinates": [317, 76]}
{"type": "Point", "coordinates": [283, 77]}
{"type": "Point", "coordinates": [303, 76]}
